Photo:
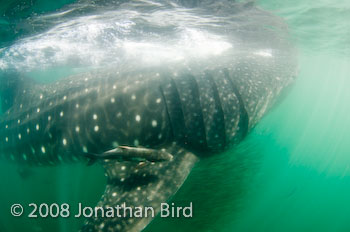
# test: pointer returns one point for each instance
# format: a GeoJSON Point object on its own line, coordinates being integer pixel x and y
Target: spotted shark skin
{"type": "Point", "coordinates": [189, 110]}
{"type": "Point", "coordinates": [91, 114]}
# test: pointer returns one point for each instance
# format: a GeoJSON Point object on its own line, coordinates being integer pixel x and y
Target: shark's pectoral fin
{"type": "Point", "coordinates": [139, 185]}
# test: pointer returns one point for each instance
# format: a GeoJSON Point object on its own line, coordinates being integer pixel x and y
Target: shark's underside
{"type": "Point", "coordinates": [147, 124]}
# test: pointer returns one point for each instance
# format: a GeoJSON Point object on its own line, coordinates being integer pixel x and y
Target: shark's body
{"type": "Point", "coordinates": [186, 109]}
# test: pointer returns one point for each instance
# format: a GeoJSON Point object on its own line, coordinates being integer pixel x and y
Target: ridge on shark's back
{"type": "Point", "coordinates": [147, 122]}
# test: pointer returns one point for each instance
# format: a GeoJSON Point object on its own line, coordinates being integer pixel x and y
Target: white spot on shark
{"type": "Point", "coordinates": [154, 123]}
{"type": "Point", "coordinates": [138, 118]}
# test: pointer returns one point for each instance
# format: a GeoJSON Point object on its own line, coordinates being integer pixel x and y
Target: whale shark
{"type": "Point", "coordinates": [148, 119]}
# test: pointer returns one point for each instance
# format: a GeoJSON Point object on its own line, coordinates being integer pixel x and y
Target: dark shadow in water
{"type": "Point", "coordinates": [217, 188]}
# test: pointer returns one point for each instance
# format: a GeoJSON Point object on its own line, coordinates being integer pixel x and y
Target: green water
{"type": "Point", "coordinates": [296, 174]}
{"type": "Point", "coordinates": [290, 174]}
{"type": "Point", "coordinates": [293, 169]}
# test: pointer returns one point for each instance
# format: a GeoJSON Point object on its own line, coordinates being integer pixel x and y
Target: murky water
{"type": "Point", "coordinates": [290, 174]}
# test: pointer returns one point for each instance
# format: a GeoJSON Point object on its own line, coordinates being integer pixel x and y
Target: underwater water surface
{"type": "Point", "coordinates": [291, 173]}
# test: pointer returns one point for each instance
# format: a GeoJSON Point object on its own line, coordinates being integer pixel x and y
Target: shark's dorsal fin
{"type": "Point", "coordinates": [145, 184]}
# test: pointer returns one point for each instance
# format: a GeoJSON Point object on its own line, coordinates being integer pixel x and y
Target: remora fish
{"type": "Point", "coordinates": [148, 123]}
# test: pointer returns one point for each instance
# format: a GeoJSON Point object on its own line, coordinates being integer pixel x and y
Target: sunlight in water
{"type": "Point", "coordinates": [193, 44]}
